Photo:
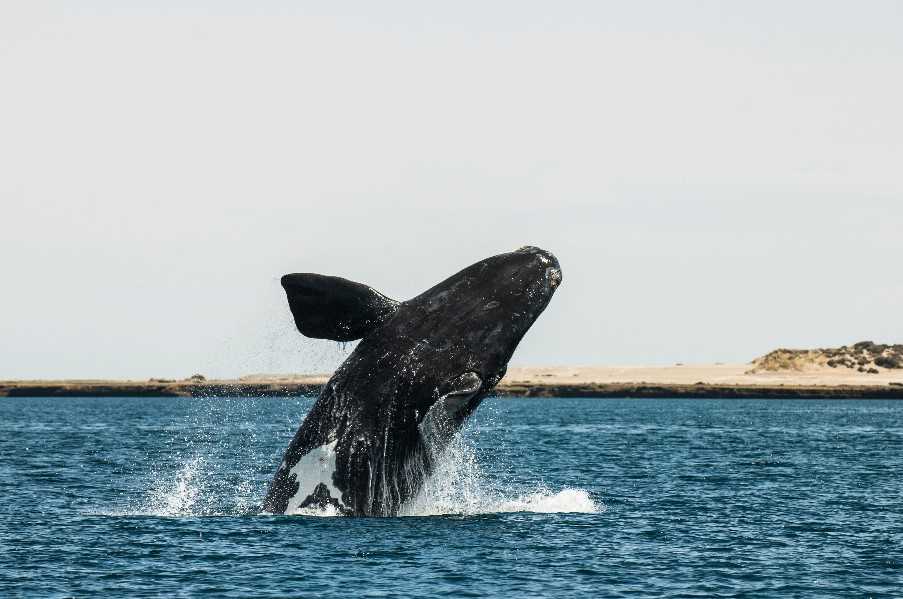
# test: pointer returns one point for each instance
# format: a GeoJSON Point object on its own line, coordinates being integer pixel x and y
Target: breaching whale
{"type": "Point", "coordinates": [421, 368]}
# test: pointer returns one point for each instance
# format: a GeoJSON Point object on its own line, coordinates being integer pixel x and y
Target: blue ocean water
{"type": "Point", "coordinates": [540, 497]}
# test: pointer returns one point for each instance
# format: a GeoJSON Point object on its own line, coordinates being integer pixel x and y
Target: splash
{"type": "Point", "coordinates": [458, 487]}
{"type": "Point", "coordinates": [572, 501]}
{"type": "Point", "coordinates": [209, 479]}
{"type": "Point", "coordinates": [191, 491]}
{"type": "Point", "coordinates": [181, 497]}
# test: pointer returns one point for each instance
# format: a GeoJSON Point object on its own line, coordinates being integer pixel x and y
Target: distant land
{"type": "Point", "coordinates": [862, 370]}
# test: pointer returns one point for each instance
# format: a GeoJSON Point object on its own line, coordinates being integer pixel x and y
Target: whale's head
{"type": "Point", "coordinates": [478, 316]}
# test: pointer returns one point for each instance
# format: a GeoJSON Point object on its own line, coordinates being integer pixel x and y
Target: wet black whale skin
{"type": "Point", "coordinates": [446, 348]}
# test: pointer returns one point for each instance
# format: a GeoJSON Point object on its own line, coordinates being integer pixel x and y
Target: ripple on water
{"type": "Point", "coordinates": [559, 497]}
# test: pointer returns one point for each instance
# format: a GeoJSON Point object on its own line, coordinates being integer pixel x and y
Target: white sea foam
{"type": "Point", "coordinates": [542, 501]}
{"type": "Point", "coordinates": [571, 501]}
{"type": "Point", "coordinates": [458, 486]}
{"type": "Point", "coordinates": [327, 511]}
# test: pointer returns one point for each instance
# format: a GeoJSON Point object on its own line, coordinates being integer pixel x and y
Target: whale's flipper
{"type": "Point", "coordinates": [335, 308]}
{"type": "Point", "coordinates": [457, 398]}
{"type": "Point", "coordinates": [456, 394]}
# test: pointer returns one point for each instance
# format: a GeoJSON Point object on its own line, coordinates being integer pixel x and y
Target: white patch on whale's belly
{"type": "Point", "coordinates": [314, 468]}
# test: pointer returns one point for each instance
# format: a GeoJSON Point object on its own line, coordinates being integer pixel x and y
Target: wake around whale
{"type": "Point", "coordinates": [421, 368]}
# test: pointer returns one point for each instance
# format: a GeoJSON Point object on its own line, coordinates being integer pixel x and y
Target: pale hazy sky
{"type": "Point", "coordinates": [717, 178]}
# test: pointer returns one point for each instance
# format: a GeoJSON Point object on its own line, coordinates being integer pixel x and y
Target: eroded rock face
{"type": "Point", "coordinates": [866, 357]}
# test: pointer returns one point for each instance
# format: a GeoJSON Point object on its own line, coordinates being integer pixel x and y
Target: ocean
{"type": "Point", "coordinates": [537, 498]}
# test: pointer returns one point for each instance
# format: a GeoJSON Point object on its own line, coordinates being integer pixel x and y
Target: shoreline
{"type": "Point", "coordinates": [716, 381]}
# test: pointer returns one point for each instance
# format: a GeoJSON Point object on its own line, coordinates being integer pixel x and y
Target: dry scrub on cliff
{"type": "Point", "coordinates": [865, 356]}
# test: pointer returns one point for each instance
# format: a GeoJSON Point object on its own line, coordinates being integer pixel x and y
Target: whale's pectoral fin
{"type": "Point", "coordinates": [455, 397]}
{"type": "Point", "coordinates": [335, 308]}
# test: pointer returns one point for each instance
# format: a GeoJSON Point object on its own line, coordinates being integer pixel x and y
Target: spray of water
{"type": "Point", "coordinates": [457, 486]}
{"type": "Point", "coordinates": [203, 484]}
{"type": "Point", "coordinates": [182, 496]}
{"type": "Point", "coordinates": [193, 490]}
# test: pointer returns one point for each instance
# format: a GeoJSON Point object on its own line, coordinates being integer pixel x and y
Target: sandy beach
{"type": "Point", "coordinates": [691, 380]}
{"type": "Point", "coordinates": [691, 374]}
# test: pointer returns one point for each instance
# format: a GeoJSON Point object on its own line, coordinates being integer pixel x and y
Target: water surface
{"type": "Point", "coordinates": [542, 497]}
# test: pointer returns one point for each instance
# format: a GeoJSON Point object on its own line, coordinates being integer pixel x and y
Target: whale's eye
{"type": "Point", "coordinates": [491, 305]}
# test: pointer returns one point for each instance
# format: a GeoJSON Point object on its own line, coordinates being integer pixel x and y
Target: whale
{"type": "Point", "coordinates": [420, 369]}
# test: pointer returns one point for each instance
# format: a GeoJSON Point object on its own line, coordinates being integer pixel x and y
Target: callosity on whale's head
{"type": "Point", "coordinates": [421, 368]}
{"type": "Point", "coordinates": [477, 317]}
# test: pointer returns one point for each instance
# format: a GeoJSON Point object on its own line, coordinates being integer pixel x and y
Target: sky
{"type": "Point", "coordinates": [717, 179]}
